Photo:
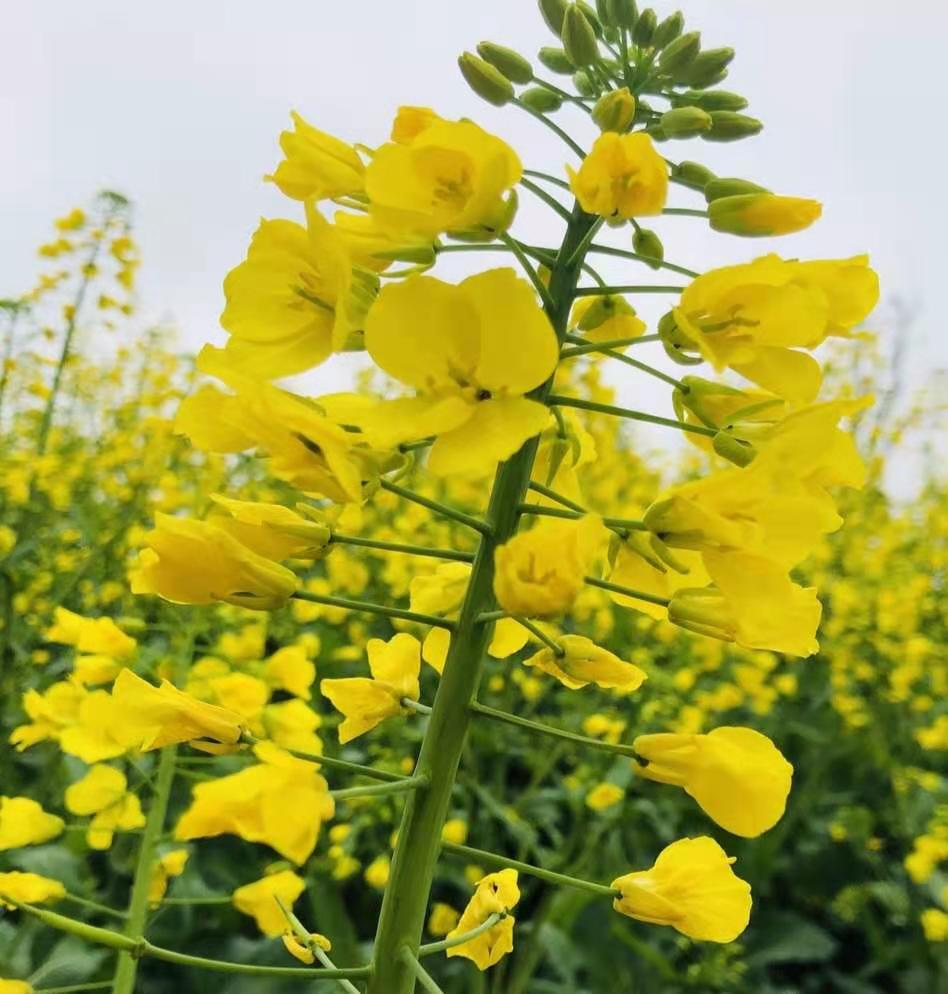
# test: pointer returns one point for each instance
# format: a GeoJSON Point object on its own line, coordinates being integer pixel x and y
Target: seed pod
{"type": "Point", "coordinates": [709, 100]}
{"type": "Point", "coordinates": [727, 126]}
{"type": "Point", "coordinates": [556, 61]}
{"type": "Point", "coordinates": [680, 53]}
{"type": "Point", "coordinates": [648, 245]}
{"type": "Point", "coordinates": [685, 122]}
{"type": "Point", "coordinates": [506, 61]}
{"type": "Point", "coordinates": [623, 13]}
{"type": "Point", "coordinates": [579, 39]}
{"type": "Point", "coordinates": [540, 99]}
{"type": "Point", "coordinates": [708, 68]}
{"type": "Point", "coordinates": [730, 186]}
{"type": "Point", "coordinates": [486, 81]}
{"type": "Point", "coordinates": [644, 29]}
{"type": "Point", "coordinates": [669, 29]}
{"type": "Point", "coordinates": [614, 111]}
{"type": "Point", "coordinates": [693, 174]}
{"type": "Point", "coordinates": [554, 11]}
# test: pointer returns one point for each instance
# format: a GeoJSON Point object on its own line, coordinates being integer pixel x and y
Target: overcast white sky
{"type": "Point", "coordinates": [179, 104]}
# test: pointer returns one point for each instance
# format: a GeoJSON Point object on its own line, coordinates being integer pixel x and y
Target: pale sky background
{"type": "Point", "coordinates": [179, 104]}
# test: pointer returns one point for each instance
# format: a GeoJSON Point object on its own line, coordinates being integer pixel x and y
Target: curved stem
{"type": "Point", "coordinates": [430, 948]}
{"type": "Point", "coordinates": [555, 128]}
{"type": "Point", "coordinates": [616, 524]}
{"type": "Point", "coordinates": [421, 974]}
{"type": "Point", "coordinates": [371, 608]}
{"type": "Point", "coordinates": [539, 634]}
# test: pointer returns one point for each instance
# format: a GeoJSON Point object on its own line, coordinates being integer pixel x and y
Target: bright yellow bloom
{"type": "Point", "coordinates": [455, 830]}
{"type": "Point", "coordinates": [316, 166]}
{"type": "Point", "coordinates": [606, 318]}
{"type": "Point", "coordinates": [540, 572]}
{"type": "Point", "coordinates": [935, 924]}
{"type": "Point", "coordinates": [690, 887]}
{"type": "Point", "coordinates": [411, 121]}
{"type": "Point", "coordinates": [292, 725]}
{"type": "Point", "coordinates": [442, 176]}
{"type": "Point", "coordinates": [171, 864]}
{"type": "Point", "coordinates": [7, 542]}
{"type": "Point", "coordinates": [289, 669]}
{"type": "Point", "coordinates": [603, 796]}
{"type": "Point", "coordinates": [99, 636]}
{"type": "Point", "coordinates": [737, 776]}
{"type": "Point", "coordinates": [622, 175]}
{"type": "Point", "coordinates": [195, 562]}
{"type": "Point", "coordinates": [96, 734]}
{"type": "Point", "coordinates": [376, 874]}
{"type": "Point", "coordinates": [762, 214]}
{"type": "Point", "coordinates": [153, 717]}
{"type": "Point", "coordinates": [443, 919]}
{"type": "Point", "coordinates": [365, 703]}
{"type": "Point", "coordinates": [23, 822]}
{"type": "Point", "coordinates": [259, 900]}
{"type": "Point", "coordinates": [28, 888]}
{"type": "Point", "coordinates": [304, 953]}
{"type": "Point", "coordinates": [271, 530]}
{"type": "Point", "coordinates": [282, 801]}
{"type": "Point", "coordinates": [103, 792]}
{"type": "Point", "coordinates": [583, 662]}
{"type": "Point", "coordinates": [497, 893]}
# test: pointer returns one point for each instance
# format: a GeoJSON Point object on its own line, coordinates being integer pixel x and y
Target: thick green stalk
{"type": "Point", "coordinates": [419, 838]}
{"type": "Point", "coordinates": [127, 967]}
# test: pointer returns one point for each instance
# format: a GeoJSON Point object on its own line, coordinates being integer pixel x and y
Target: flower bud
{"type": "Point", "coordinates": [709, 100]}
{"type": "Point", "coordinates": [708, 68]}
{"type": "Point", "coordinates": [644, 29]}
{"type": "Point", "coordinates": [579, 39]}
{"type": "Point", "coordinates": [680, 53]}
{"type": "Point", "coordinates": [669, 29]}
{"type": "Point", "coordinates": [492, 224]}
{"type": "Point", "coordinates": [591, 16]}
{"type": "Point", "coordinates": [692, 174]}
{"type": "Point", "coordinates": [486, 81]}
{"type": "Point", "coordinates": [730, 186]}
{"type": "Point", "coordinates": [648, 245]}
{"type": "Point", "coordinates": [604, 13]}
{"type": "Point", "coordinates": [762, 214]}
{"type": "Point", "coordinates": [623, 13]}
{"type": "Point", "coordinates": [654, 131]}
{"type": "Point", "coordinates": [733, 449]}
{"type": "Point", "coordinates": [675, 343]}
{"type": "Point", "coordinates": [555, 60]}
{"type": "Point", "coordinates": [728, 126]}
{"type": "Point", "coordinates": [685, 122]}
{"type": "Point", "coordinates": [554, 13]}
{"type": "Point", "coordinates": [615, 111]}
{"type": "Point", "coordinates": [506, 61]}
{"type": "Point", "coordinates": [540, 99]}
{"type": "Point", "coordinates": [585, 87]}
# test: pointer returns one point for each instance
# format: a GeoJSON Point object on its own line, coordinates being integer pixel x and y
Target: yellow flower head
{"type": "Point", "coordinates": [692, 888]}
{"type": "Point", "coordinates": [737, 776]}
{"type": "Point", "coordinates": [304, 953]}
{"type": "Point", "coordinates": [103, 792]}
{"type": "Point", "coordinates": [28, 888]}
{"type": "Point", "coordinates": [23, 822]}
{"type": "Point", "coordinates": [259, 900]}
{"type": "Point", "coordinates": [622, 175]}
{"type": "Point", "coordinates": [762, 214]}
{"type": "Point", "coordinates": [98, 636]}
{"type": "Point", "coordinates": [271, 530]}
{"type": "Point", "coordinates": [316, 166]}
{"type": "Point", "coordinates": [497, 893]}
{"type": "Point", "coordinates": [583, 662]}
{"type": "Point", "coordinates": [365, 702]}
{"type": "Point", "coordinates": [540, 572]}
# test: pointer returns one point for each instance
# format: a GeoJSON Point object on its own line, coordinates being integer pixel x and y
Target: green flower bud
{"type": "Point", "coordinates": [728, 126]}
{"type": "Point", "coordinates": [604, 13]}
{"type": "Point", "coordinates": [685, 122]}
{"type": "Point", "coordinates": [708, 68]}
{"type": "Point", "coordinates": [585, 87]}
{"type": "Point", "coordinates": [680, 53]}
{"type": "Point", "coordinates": [591, 16]}
{"type": "Point", "coordinates": [692, 174]}
{"type": "Point", "coordinates": [486, 81]}
{"type": "Point", "coordinates": [648, 245]}
{"type": "Point", "coordinates": [506, 61]}
{"type": "Point", "coordinates": [645, 26]}
{"type": "Point", "coordinates": [733, 449]}
{"type": "Point", "coordinates": [614, 111]}
{"type": "Point", "coordinates": [623, 13]}
{"type": "Point", "coordinates": [655, 132]}
{"type": "Point", "coordinates": [555, 60]}
{"type": "Point", "coordinates": [710, 100]}
{"type": "Point", "coordinates": [554, 12]}
{"type": "Point", "coordinates": [579, 39]}
{"type": "Point", "coordinates": [540, 99]}
{"type": "Point", "coordinates": [730, 187]}
{"type": "Point", "coordinates": [669, 29]}
{"type": "Point", "coordinates": [675, 344]}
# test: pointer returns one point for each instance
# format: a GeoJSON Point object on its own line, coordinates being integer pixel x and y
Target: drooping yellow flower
{"type": "Point", "coordinates": [169, 865]}
{"type": "Point", "coordinates": [583, 662]}
{"type": "Point", "coordinates": [23, 822]}
{"type": "Point", "coordinates": [762, 214]}
{"type": "Point", "coordinates": [271, 530]}
{"type": "Point", "coordinates": [103, 792]}
{"type": "Point", "coordinates": [497, 893]}
{"type": "Point", "coordinates": [737, 775]}
{"type": "Point", "coordinates": [303, 953]}
{"type": "Point", "coordinates": [282, 801]}
{"type": "Point", "coordinates": [28, 888]}
{"type": "Point", "coordinates": [470, 352]}
{"type": "Point", "coordinates": [606, 318]}
{"type": "Point", "coordinates": [153, 717]}
{"type": "Point", "coordinates": [442, 176]}
{"type": "Point", "coordinates": [540, 572]}
{"type": "Point", "coordinates": [365, 702]}
{"type": "Point", "coordinates": [97, 636]}
{"type": "Point", "coordinates": [194, 562]}
{"type": "Point", "coordinates": [259, 900]}
{"type": "Point", "coordinates": [316, 165]}
{"type": "Point", "coordinates": [623, 175]}
{"type": "Point", "coordinates": [690, 887]}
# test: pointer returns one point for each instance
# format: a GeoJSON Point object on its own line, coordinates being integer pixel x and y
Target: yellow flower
{"type": "Point", "coordinates": [737, 776]}
{"type": "Point", "coordinates": [103, 792]}
{"type": "Point", "coordinates": [153, 717]}
{"type": "Point", "coordinates": [603, 796]}
{"type": "Point", "coordinates": [171, 864]}
{"type": "Point", "coordinates": [443, 919]}
{"type": "Point", "coordinates": [98, 636]}
{"type": "Point", "coordinates": [583, 662]}
{"type": "Point", "coordinates": [15, 987]}
{"type": "Point", "coordinates": [692, 888]}
{"type": "Point", "coordinates": [622, 175]}
{"type": "Point", "coordinates": [195, 562]}
{"type": "Point", "coordinates": [7, 542]}
{"type": "Point", "coordinates": [636, 566]}
{"type": "Point", "coordinates": [454, 830]}
{"type": "Point", "coordinates": [934, 924]}
{"type": "Point", "coordinates": [762, 214]}
{"type": "Point", "coordinates": [28, 888]}
{"type": "Point", "coordinates": [304, 953]}
{"type": "Point", "coordinates": [259, 900]}
{"type": "Point", "coordinates": [442, 176]}
{"type": "Point", "coordinates": [605, 318]}
{"type": "Point", "coordinates": [23, 822]}
{"type": "Point", "coordinates": [316, 166]}
{"type": "Point", "coordinates": [271, 530]}
{"type": "Point", "coordinates": [96, 732]}
{"type": "Point", "coordinates": [496, 893]}
{"type": "Point", "coordinates": [540, 572]}
{"type": "Point", "coordinates": [292, 725]}
{"type": "Point", "coordinates": [281, 801]}
{"type": "Point", "coordinates": [376, 874]}
{"type": "Point", "coordinates": [365, 703]}
{"type": "Point", "coordinates": [289, 669]}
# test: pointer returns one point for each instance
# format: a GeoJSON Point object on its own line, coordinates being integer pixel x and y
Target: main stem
{"type": "Point", "coordinates": [127, 967]}
{"type": "Point", "coordinates": [419, 837]}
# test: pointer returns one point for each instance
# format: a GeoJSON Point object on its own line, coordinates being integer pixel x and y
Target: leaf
{"type": "Point", "coordinates": [785, 937]}
{"type": "Point", "coordinates": [72, 961]}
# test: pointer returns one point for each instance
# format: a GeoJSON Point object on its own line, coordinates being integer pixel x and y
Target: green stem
{"type": "Point", "coordinates": [304, 937]}
{"type": "Point", "coordinates": [553, 88]}
{"type": "Point", "coordinates": [580, 249]}
{"type": "Point", "coordinates": [599, 346]}
{"type": "Point", "coordinates": [103, 909]}
{"type": "Point", "coordinates": [553, 126]}
{"type": "Point", "coordinates": [338, 764]}
{"type": "Point", "coordinates": [381, 789]}
{"type": "Point", "coordinates": [127, 965]}
{"type": "Point", "coordinates": [684, 212]}
{"type": "Point", "coordinates": [546, 491]}
{"type": "Point", "coordinates": [541, 635]}
{"type": "Point", "coordinates": [411, 550]}
{"type": "Point", "coordinates": [541, 194]}
{"type": "Point", "coordinates": [595, 291]}
{"type": "Point", "coordinates": [416, 706]}
{"type": "Point", "coordinates": [643, 367]}
{"type": "Point", "coordinates": [477, 524]}
{"type": "Point", "coordinates": [623, 254]}
{"type": "Point", "coordinates": [555, 180]}
{"type": "Point", "coordinates": [624, 412]}
{"type": "Point", "coordinates": [532, 274]}
{"type": "Point", "coordinates": [430, 948]}
{"type": "Point", "coordinates": [371, 608]}
{"type": "Point", "coordinates": [550, 876]}
{"type": "Point", "coordinates": [616, 524]}
{"type": "Point", "coordinates": [408, 958]}
{"type": "Point", "coordinates": [195, 901]}
{"type": "Point", "coordinates": [617, 588]}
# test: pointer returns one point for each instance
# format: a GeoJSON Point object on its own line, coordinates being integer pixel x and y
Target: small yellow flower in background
{"type": "Point", "coordinates": [28, 888]}
{"type": "Point", "coordinates": [583, 662]}
{"type": "Point", "coordinates": [691, 887]}
{"type": "Point", "coordinates": [622, 175]}
{"type": "Point", "coordinates": [171, 864]}
{"type": "Point", "coordinates": [365, 702]}
{"type": "Point", "coordinates": [23, 822]}
{"type": "Point", "coordinates": [540, 572]}
{"type": "Point", "coordinates": [935, 924]}
{"type": "Point", "coordinates": [292, 725]}
{"type": "Point", "coordinates": [72, 221]}
{"type": "Point", "coordinates": [194, 562]}
{"type": "Point", "coordinates": [290, 669]}
{"type": "Point", "coordinates": [304, 953]}
{"type": "Point", "coordinates": [455, 830]}
{"type": "Point", "coordinates": [103, 792]}
{"type": "Point", "coordinates": [497, 893]}
{"type": "Point", "coordinates": [96, 732]}
{"type": "Point", "coordinates": [97, 636]}
{"type": "Point", "coordinates": [443, 919]}
{"type": "Point", "coordinates": [258, 900]}
{"type": "Point", "coordinates": [270, 530]}
{"type": "Point", "coordinates": [762, 214]}
{"type": "Point", "coordinates": [7, 542]}
{"type": "Point", "coordinates": [604, 796]}
{"type": "Point", "coordinates": [606, 318]}
{"type": "Point", "coordinates": [376, 874]}
{"type": "Point", "coordinates": [153, 717]}
{"type": "Point", "coordinates": [737, 775]}
{"type": "Point", "coordinates": [316, 166]}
